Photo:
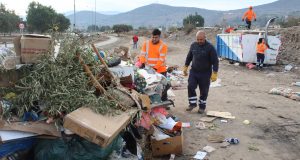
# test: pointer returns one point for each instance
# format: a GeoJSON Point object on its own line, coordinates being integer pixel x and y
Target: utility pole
{"type": "Point", "coordinates": [74, 17]}
{"type": "Point", "coordinates": [95, 18]}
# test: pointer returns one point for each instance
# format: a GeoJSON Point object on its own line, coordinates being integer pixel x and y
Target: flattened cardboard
{"type": "Point", "coordinates": [40, 128]}
{"type": "Point", "coordinates": [13, 135]}
{"type": "Point", "coordinates": [146, 102]}
{"type": "Point", "coordinates": [172, 145]}
{"type": "Point", "coordinates": [97, 128]}
{"type": "Point", "coordinates": [226, 115]}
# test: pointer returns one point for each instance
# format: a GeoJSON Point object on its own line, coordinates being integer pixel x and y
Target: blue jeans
{"type": "Point", "coordinates": [134, 45]}
{"type": "Point", "coordinates": [260, 59]}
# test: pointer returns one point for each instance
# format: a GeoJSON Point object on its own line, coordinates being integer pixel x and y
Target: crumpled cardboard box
{"type": "Point", "coordinates": [97, 128]}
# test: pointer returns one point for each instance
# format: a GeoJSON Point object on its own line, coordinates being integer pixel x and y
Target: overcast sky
{"type": "Point", "coordinates": [62, 6]}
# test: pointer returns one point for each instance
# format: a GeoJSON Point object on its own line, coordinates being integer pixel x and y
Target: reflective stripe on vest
{"type": "Point", "coordinates": [153, 59]}
{"type": "Point", "coordinates": [147, 52]}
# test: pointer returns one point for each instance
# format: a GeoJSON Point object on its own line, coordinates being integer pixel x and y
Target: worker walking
{"type": "Point", "coordinates": [135, 40]}
{"type": "Point", "coordinates": [249, 15]}
{"type": "Point", "coordinates": [205, 65]}
{"type": "Point", "coordinates": [154, 54]}
{"type": "Point", "coordinates": [261, 47]}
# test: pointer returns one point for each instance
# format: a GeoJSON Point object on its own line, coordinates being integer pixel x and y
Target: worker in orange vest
{"type": "Point", "coordinates": [261, 47]}
{"type": "Point", "coordinates": [154, 53]}
{"type": "Point", "coordinates": [249, 15]}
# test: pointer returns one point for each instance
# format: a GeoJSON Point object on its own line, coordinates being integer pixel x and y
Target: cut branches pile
{"type": "Point", "coordinates": [61, 85]}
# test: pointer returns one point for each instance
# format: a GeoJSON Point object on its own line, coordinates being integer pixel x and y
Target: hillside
{"type": "Point", "coordinates": [86, 18]}
{"type": "Point", "coordinates": [158, 14]}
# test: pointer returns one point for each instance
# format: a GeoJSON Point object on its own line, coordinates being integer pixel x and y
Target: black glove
{"type": "Point", "coordinates": [142, 66]}
{"type": "Point", "coordinates": [255, 19]}
{"type": "Point", "coordinates": [243, 20]}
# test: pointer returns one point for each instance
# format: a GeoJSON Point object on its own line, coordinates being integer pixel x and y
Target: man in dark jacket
{"type": "Point", "coordinates": [205, 65]}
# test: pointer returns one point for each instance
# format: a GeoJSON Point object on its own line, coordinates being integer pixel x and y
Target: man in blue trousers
{"type": "Point", "coordinates": [205, 65]}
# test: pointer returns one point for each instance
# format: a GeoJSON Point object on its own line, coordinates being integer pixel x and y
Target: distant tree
{"type": "Point", "coordinates": [195, 20]}
{"type": "Point", "coordinates": [104, 28]}
{"type": "Point", "coordinates": [8, 20]}
{"type": "Point", "coordinates": [93, 28]}
{"type": "Point", "coordinates": [42, 18]}
{"type": "Point", "coordinates": [142, 28]}
{"type": "Point", "coordinates": [62, 22]}
{"type": "Point", "coordinates": [119, 28]}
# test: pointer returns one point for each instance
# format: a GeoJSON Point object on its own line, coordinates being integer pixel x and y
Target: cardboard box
{"type": "Point", "coordinates": [17, 45]}
{"type": "Point", "coordinates": [97, 128]}
{"type": "Point", "coordinates": [31, 47]}
{"type": "Point", "coordinates": [172, 145]}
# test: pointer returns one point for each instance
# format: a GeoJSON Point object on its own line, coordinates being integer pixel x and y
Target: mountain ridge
{"type": "Point", "coordinates": [164, 15]}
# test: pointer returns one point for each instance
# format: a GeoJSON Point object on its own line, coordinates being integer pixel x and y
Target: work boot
{"type": "Point", "coordinates": [191, 107]}
{"type": "Point", "coordinates": [202, 107]}
{"type": "Point", "coordinates": [201, 111]}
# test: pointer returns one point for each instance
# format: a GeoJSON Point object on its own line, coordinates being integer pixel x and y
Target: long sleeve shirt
{"type": "Point", "coordinates": [204, 57]}
{"type": "Point", "coordinates": [250, 15]}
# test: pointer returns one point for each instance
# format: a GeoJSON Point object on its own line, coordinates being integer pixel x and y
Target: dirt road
{"type": "Point", "coordinates": [112, 39]}
{"type": "Point", "coordinates": [244, 93]}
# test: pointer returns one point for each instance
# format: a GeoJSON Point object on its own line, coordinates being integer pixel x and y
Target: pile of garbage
{"type": "Point", "coordinates": [191, 37]}
{"type": "Point", "coordinates": [84, 104]}
{"type": "Point", "coordinates": [290, 48]}
{"type": "Point", "coordinates": [38, 101]}
{"type": "Point", "coordinates": [286, 92]}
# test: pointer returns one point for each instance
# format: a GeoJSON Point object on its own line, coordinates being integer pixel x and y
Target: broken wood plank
{"type": "Point", "coordinates": [207, 119]}
{"type": "Point", "coordinates": [226, 115]}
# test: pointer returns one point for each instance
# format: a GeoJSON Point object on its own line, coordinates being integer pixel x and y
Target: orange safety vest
{"type": "Point", "coordinates": [249, 15]}
{"type": "Point", "coordinates": [154, 55]}
{"type": "Point", "coordinates": [261, 48]}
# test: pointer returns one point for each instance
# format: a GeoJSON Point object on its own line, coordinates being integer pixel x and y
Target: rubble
{"type": "Point", "coordinates": [40, 99]}
{"type": "Point", "coordinates": [286, 92]}
{"type": "Point", "coordinates": [72, 91]}
{"type": "Point", "coordinates": [200, 155]}
{"type": "Point", "coordinates": [290, 48]}
{"type": "Point", "coordinates": [208, 149]}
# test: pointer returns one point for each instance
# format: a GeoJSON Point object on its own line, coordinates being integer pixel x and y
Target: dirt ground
{"type": "Point", "coordinates": [274, 129]}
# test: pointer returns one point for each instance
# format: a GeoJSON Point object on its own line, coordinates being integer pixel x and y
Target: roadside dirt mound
{"type": "Point", "coordinates": [188, 39]}
{"type": "Point", "coordinates": [290, 48]}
